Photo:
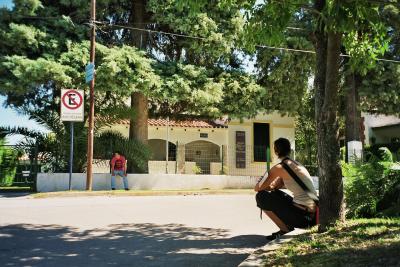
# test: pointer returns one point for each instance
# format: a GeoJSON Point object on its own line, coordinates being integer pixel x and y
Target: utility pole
{"type": "Point", "coordinates": [89, 174]}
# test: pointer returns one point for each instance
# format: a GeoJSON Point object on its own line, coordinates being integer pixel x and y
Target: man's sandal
{"type": "Point", "coordinates": [276, 235]}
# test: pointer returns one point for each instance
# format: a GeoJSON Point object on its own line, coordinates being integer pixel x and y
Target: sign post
{"type": "Point", "coordinates": [71, 110]}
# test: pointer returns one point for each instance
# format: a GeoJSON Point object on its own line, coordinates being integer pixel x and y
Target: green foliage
{"type": "Point", "coordinates": [359, 242]}
{"type": "Point", "coordinates": [220, 27]}
{"type": "Point", "coordinates": [26, 73]}
{"type": "Point", "coordinates": [193, 90]}
{"type": "Point", "coordinates": [196, 169]}
{"type": "Point", "coordinates": [385, 154]}
{"type": "Point", "coordinates": [107, 142]}
{"type": "Point", "coordinates": [27, 7]}
{"type": "Point", "coordinates": [54, 145]}
{"type": "Point", "coordinates": [305, 134]}
{"type": "Point", "coordinates": [385, 80]}
{"type": "Point", "coordinates": [343, 153]}
{"type": "Point", "coordinates": [389, 205]}
{"type": "Point", "coordinates": [385, 77]}
{"type": "Point", "coordinates": [121, 70]}
{"type": "Point", "coordinates": [243, 96]}
{"type": "Point", "coordinates": [381, 151]}
{"type": "Point", "coordinates": [366, 185]}
{"type": "Point", "coordinates": [8, 164]}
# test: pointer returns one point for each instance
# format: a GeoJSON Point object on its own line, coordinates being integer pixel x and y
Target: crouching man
{"type": "Point", "coordinates": [287, 212]}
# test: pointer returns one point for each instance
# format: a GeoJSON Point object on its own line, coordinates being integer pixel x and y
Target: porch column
{"type": "Point", "coordinates": [225, 159]}
{"type": "Point", "coordinates": [180, 158]}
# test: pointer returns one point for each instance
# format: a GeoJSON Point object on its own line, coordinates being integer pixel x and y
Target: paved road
{"type": "Point", "coordinates": [130, 231]}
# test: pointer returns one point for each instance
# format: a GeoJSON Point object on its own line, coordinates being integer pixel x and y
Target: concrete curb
{"type": "Point", "coordinates": [256, 259]}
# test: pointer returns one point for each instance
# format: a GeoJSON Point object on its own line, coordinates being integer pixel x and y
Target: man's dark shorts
{"type": "Point", "coordinates": [281, 204]}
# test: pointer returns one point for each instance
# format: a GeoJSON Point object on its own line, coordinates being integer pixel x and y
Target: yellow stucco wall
{"type": "Point", "coordinates": [217, 136]}
{"type": "Point", "coordinates": [279, 127]}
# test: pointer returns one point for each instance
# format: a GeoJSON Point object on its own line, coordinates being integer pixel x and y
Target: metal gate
{"type": "Point", "coordinates": [18, 166]}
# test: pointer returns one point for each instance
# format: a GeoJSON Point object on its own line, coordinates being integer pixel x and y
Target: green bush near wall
{"type": "Point", "coordinates": [8, 165]}
{"type": "Point", "coordinates": [375, 150]}
{"type": "Point", "coordinates": [372, 189]}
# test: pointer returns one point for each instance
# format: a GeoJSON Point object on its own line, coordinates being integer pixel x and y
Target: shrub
{"type": "Point", "coordinates": [197, 169]}
{"type": "Point", "coordinates": [8, 165]}
{"type": "Point", "coordinates": [134, 151]}
{"type": "Point", "coordinates": [389, 205]}
{"type": "Point", "coordinates": [343, 153]}
{"type": "Point", "coordinates": [369, 188]}
{"type": "Point", "coordinates": [385, 154]}
{"type": "Point", "coordinates": [375, 151]}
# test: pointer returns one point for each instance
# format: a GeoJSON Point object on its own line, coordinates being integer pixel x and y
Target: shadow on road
{"type": "Point", "coordinates": [5, 194]}
{"type": "Point", "coordinates": [123, 245]}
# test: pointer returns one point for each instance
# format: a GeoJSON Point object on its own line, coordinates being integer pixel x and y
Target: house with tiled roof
{"type": "Point", "coordinates": [225, 146]}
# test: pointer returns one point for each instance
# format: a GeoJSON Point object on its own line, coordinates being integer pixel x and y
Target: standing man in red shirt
{"type": "Point", "coordinates": [118, 167]}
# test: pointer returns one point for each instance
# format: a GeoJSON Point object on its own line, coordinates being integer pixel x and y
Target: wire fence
{"type": "Point", "coordinates": [216, 160]}
{"type": "Point", "coordinates": [206, 158]}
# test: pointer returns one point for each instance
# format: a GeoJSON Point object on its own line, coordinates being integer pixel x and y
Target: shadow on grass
{"type": "Point", "coordinates": [381, 255]}
{"type": "Point", "coordinates": [363, 242]}
{"type": "Point", "coordinates": [123, 245]}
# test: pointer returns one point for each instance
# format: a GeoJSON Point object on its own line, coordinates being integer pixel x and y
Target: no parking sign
{"type": "Point", "coordinates": [72, 105]}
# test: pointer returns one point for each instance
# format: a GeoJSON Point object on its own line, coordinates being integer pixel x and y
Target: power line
{"type": "Point", "coordinates": [107, 24]}
{"type": "Point", "coordinates": [149, 31]}
{"type": "Point", "coordinates": [204, 39]}
{"type": "Point", "coordinates": [313, 52]}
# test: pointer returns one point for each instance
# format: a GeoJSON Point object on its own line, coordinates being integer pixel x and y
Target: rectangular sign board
{"type": "Point", "coordinates": [89, 72]}
{"type": "Point", "coordinates": [72, 105]}
{"type": "Point", "coordinates": [240, 149]}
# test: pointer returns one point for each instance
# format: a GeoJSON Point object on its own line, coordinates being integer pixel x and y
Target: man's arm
{"type": "Point", "coordinates": [271, 182]}
{"type": "Point", "coordinates": [125, 161]}
{"type": "Point", "coordinates": [112, 166]}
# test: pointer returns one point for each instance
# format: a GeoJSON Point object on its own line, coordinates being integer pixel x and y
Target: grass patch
{"type": "Point", "coordinates": [142, 193]}
{"type": "Point", "coordinates": [361, 242]}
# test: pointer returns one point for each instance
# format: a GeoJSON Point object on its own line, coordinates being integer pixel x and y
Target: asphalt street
{"type": "Point", "coordinates": [195, 230]}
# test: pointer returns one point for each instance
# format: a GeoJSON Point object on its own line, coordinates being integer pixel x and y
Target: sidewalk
{"type": "Point", "coordinates": [256, 258]}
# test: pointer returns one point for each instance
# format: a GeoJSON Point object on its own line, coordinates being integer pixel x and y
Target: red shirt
{"type": "Point", "coordinates": [118, 163]}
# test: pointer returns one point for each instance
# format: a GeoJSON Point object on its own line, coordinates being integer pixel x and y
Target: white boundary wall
{"type": "Point", "coordinates": [50, 182]}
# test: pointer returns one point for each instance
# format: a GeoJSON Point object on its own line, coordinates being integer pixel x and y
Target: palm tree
{"type": "Point", "coordinates": [54, 145]}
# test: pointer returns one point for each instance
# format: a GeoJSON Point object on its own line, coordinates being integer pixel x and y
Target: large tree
{"type": "Point", "coordinates": [335, 24]}
{"type": "Point", "coordinates": [42, 51]}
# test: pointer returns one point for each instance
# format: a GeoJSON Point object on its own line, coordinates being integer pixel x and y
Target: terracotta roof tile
{"type": "Point", "coordinates": [194, 123]}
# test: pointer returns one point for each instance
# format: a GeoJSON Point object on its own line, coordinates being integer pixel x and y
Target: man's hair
{"type": "Point", "coordinates": [282, 147]}
{"type": "Point", "coordinates": [117, 152]}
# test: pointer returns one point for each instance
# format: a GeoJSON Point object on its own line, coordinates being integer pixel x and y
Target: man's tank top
{"type": "Point", "coordinates": [299, 195]}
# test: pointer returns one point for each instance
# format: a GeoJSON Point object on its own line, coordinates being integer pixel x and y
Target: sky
{"type": "Point", "coordinates": [5, 3]}
{"type": "Point", "coordinates": [9, 117]}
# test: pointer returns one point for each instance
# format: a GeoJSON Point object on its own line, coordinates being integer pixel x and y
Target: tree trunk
{"type": "Point", "coordinates": [327, 94]}
{"type": "Point", "coordinates": [138, 129]}
{"type": "Point", "coordinates": [326, 83]}
{"type": "Point", "coordinates": [353, 113]}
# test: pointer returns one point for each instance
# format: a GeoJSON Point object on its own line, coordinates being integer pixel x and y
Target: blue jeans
{"type": "Point", "coordinates": [122, 174]}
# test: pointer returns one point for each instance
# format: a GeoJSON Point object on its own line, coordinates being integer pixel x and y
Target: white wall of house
{"type": "Point", "coordinates": [381, 135]}
{"type": "Point", "coordinates": [51, 182]}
